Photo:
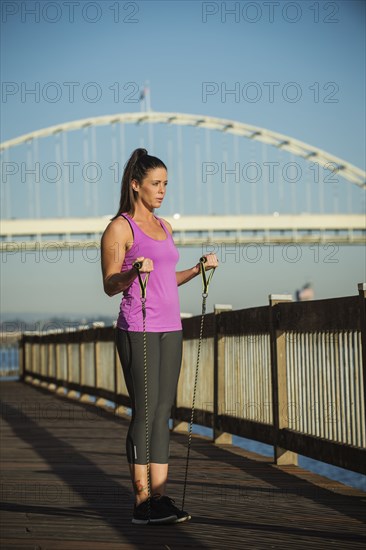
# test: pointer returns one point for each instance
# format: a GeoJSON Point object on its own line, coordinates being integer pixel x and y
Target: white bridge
{"type": "Point", "coordinates": [312, 217]}
{"type": "Point", "coordinates": [192, 230]}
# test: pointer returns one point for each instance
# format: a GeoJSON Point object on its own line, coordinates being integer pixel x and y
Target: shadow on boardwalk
{"type": "Point", "coordinates": [65, 485]}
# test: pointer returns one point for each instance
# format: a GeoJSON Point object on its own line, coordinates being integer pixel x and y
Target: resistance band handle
{"type": "Point", "coordinates": [142, 282]}
{"type": "Point", "coordinates": [205, 280]}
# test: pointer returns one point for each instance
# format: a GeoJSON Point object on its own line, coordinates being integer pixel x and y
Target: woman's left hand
{"type": "Point", "coordinates": [211, 261]}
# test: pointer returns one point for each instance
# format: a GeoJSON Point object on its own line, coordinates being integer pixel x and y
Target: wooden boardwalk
{"type": "Point", "coordinates": [65, 485]}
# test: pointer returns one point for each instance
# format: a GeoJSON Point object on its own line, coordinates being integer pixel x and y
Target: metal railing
{"type": "Point", "coordinates": [291, 375]}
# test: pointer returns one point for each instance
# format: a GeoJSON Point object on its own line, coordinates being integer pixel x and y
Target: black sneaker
{"type": "Point", "coordinates": [169, 505]}
{"type": "Point", "coordinates": [158, 513]}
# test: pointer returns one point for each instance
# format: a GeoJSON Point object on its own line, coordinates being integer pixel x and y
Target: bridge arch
{"type": "Point", "coordinates": [312, 154]}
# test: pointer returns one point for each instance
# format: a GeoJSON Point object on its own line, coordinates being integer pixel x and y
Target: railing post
{"type": "Point", "coordinates": [60, 382]}
{"type": "Point", "coordinates": [72, 394]}
{"type": "Point", "coordinates": [51, 351]}
{"type": "Point", "coordinates": [27, 360]}
{"type": "Point", "coordinates": [21, 355]}
{"type": "Point", "coordinates": [119, 410]}
{"type": "Point", "coordinates": [99, 401]}
{"type": "Point", "coordinates": [279, 380]}
{"type": "Point", "coordinates": [178, 425]}
{"type": "Point", "coordinates": [96, 367]}
{"type": "Point", "coordinates": [362, 295]}
{"type": "Point", "coordinates": [219, 380]}
{"type": "Point", "coordinates": [84, 397]}
{"type": "Point", "coordinates": [35, 361]}
{"type": "Point", "coordinates": [81, 381]}
{"type": "Point", "coordinates": [43, 362]}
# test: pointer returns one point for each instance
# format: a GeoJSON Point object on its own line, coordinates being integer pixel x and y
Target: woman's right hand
{"type": "Point", "coordinates": [147, 264]}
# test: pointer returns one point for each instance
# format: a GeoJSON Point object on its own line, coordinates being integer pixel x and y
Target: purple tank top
{"type": "Point", "coordinates": [162, 299]}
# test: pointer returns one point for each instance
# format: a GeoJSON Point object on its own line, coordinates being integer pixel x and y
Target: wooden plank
{"type": "Point", "coordinates": [102, 334]}
{"type": "Point", "coordinates": [343, 456]}
{"type": "Point", "coordinates": [244, 321]}
{"type": "Point", "coordinates": [333, 314]}
{"type": "Point", "coordinates": [191, 327]}
{"type": "Point", "coordinates": [65, 484]}
{"type": "Point", "coordinates": [258, 431]}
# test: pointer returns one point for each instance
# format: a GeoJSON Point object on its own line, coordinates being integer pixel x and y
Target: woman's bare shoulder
{"type": "Point", "coordinates": [118, 228]}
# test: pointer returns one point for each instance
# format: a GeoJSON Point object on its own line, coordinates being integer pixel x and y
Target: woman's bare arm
{"type": "Point", "coordinates": [188, 274]}
{"type": "Point", "coordinates": [113, 248]}
{"type": "Point", "coordinates": [114, 243]}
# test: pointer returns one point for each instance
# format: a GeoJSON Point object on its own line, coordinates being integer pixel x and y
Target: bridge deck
{"type": "Point", "coordinates": [65, 485]}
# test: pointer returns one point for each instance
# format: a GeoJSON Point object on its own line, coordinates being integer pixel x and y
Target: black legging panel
{"type": "Point", "coordinates": [164, 357]}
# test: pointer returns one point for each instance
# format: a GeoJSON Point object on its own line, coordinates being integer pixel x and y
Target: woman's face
{"type": "Point", "coordinates": [152, 190]}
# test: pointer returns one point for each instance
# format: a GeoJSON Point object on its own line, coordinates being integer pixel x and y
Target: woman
{"type": "Point", "coordinates": [135, 234]}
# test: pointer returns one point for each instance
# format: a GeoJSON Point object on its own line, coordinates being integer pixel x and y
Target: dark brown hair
{"type": "Point", "coordinates": [136, 168]}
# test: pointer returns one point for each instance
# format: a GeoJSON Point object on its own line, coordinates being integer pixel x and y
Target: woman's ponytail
{"type": "Point", "coordinates": [136, 168]}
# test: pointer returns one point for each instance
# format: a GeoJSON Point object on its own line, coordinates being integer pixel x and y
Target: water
{"type": "Point", "coordinates": [9, 360]}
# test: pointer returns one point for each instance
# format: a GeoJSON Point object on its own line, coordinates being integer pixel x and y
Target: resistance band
{"type": "Point", "coordinates": [205, 285]}
{"type": "Point", "coordinates": [143, 283]}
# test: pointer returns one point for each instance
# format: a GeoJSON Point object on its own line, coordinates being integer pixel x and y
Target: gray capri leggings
{"type": "Point", "coordinates": [164, 356]}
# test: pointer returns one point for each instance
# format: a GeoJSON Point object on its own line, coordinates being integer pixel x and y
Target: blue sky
{"type": "Point", "coordinates": [172, 47]}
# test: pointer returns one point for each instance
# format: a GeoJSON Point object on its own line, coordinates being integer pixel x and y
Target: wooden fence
{"type": "Point", "coordinates": [291, 375]}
